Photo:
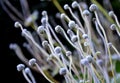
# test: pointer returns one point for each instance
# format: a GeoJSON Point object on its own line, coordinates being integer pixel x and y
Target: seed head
{"type": "Point", "coordinates": [113, 27]}
{"type": "Point", "coordinates": [57, 15]}
{"type": "Point", "coordinates": [20, 67]}
{"type": "Point", "coordinates": [44, 21]}
{"type": "Point", "coordinates": [93, 7]}
{"type": "Point", "coordinates": [57, 50]}
{"type": "Point", "coordinates": [41, 29]}
{"type": "Point", "coordinates": [68, 53]}
{"type": "Point", "coordinates": [71, 24]}
{"type": "Point", "coordinates": [63, 71]}
{"type": "Point", "coordinates": [27, 70]}
{"type": "Point", "coordinates": [85, 36]}
{"type": "Point", "coordinates": [44, 13]}
{"type": "Point", "coordinates": [84, 61]}
{"type": "Point", "coordinates": [74, 4]}
{"type": "Point", "coordinates": [62, 15]}
{"type": "Point", "coordinates": [74, 38]}
{"type": "Point", "coordinates": [70, 32]}
{"type": "Point", "coordinates": [45, 43]}
{"type": "Point", "coordinates": [66, 6]}
{"type": "Point", "coordinates": [111, 13]}
{"type": "Point", "coordinates": [17, 24]}
{"type": "Point", "coordinates": [86, 13]}
{"type": "Point", "coordinates": [86, 43]}
{"type": "Point", "coordinates": [58, 29]}
{"type": "Point", "coordinates": [13, 46]}
{"type": "Point", "coordinates": [89, 58]}
{"type": "Point", "coordinates": [32, 62]}
{"type": "Point", "coordinates": [110, 44]}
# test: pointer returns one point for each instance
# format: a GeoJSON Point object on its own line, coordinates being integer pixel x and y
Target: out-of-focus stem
{"type": "Point", "coordinates": [49, 76]}
{"type": "Point", "coordinates": [55, 2]}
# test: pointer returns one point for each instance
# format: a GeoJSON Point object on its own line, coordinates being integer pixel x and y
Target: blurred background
{"type": "Point", "coordinates": [9, 34]}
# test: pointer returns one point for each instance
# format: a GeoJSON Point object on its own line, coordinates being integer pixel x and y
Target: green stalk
{"type": "Point", "coordinates": [55, 2]}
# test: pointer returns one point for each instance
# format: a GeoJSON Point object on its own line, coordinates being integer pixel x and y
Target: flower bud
{"type": "Point", "coordinates": [71, 24]}
{"type": "Point", "coordinates": [32, 62]}
{"type": "Point", "coordinates": [93, 8]}
{"type": "Point", "coordinates": [57, 50]}
{"type": "Point", "coordinates": [63, 71]}
{"type": "Point", "coordinates": [86, 13]}
{"type": "Point", "coordinates": [66, 6]}
{"type": "Point", "coordinates": [20, 67]}
{"type": "Point", "coordinates": [68, 53]}
{"type": "Point", "coordinates": [74, 4]}
{"type": "Point", "coordinates": [74, 38]}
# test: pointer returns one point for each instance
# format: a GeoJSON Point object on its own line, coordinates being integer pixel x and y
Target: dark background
{"type": "Point", "coordinates": [9, 34]}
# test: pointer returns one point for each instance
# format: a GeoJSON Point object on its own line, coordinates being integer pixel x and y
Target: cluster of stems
{"type": "Point", "coordinates": [86, 52]}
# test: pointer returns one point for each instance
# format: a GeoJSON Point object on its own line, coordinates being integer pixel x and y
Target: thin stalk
{"type": "Point", "coordinates": [56, 3]}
